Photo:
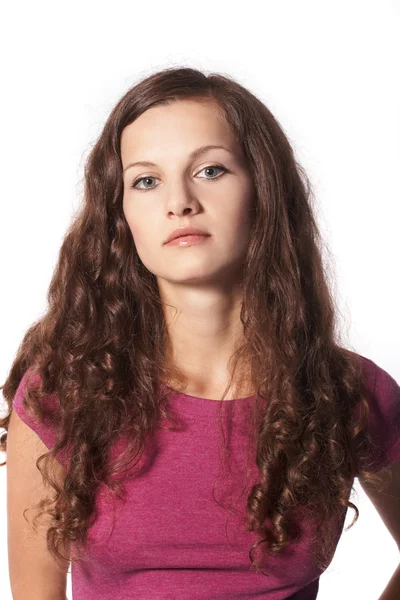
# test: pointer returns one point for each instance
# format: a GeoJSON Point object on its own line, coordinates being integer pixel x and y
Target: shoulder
{"type": "Point", "coordinates": [384, 404]}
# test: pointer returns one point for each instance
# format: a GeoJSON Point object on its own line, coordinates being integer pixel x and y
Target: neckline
{"type": "Point", "coordinates": [197, 408]}
{"type": "Point", "coordinates": [176, 393]}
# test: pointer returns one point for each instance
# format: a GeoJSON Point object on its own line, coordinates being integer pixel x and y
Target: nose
{"type": "Point", "coordinates": [181, 201]}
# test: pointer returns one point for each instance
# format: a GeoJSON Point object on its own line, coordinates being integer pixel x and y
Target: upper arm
{"type": "Point", "coordinates": [33, 572]}
{"type": "Point", "coordinates": [387, 503]}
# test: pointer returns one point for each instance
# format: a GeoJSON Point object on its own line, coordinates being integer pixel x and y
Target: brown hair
{"type": "Point", "coordinates": [101, 345]}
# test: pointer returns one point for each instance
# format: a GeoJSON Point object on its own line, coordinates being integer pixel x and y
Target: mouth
{"type": "Point", "coordinates": [188, 240]}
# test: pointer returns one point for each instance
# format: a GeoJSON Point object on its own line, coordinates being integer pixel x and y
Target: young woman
{"type": "Point", "coordinates": [199, 424]}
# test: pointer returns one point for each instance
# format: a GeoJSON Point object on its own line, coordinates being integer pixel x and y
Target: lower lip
{"type": "Point", "coordinates": [188, 240]}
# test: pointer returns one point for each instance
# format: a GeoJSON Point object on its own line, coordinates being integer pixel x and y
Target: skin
{"type": "Point", "coordinates": [202, 282]}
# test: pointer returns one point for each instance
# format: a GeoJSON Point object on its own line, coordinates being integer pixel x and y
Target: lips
{"type": "Point", "coordinates": [188, 240]}
{"type": "Point", "coordinates": [185, 231]}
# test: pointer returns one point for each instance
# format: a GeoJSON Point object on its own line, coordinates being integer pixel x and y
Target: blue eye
{"type": "Point", "coordinates": [135, 183]}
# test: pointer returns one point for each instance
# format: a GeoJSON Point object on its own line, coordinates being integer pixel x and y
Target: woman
{"type": "Point", "coordinates": [191, 325]}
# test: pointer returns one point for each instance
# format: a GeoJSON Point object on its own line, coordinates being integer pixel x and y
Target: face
{"type": "Point", "coordinates": [212, 191]}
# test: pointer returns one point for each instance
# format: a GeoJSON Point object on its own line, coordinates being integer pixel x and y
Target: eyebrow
{"type": "Point", "coordinates": [194, 154]}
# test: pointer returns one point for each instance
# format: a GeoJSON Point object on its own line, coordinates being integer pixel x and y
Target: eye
{"type": "Point", "coordinates": [147, 189]}
{"type": "Point", "coordinates": [213, 167]}
{"type": "Point", "coordinates": [135, 183]}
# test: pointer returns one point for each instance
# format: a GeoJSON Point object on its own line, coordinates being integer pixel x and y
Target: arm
{"type": "Point", "coordinates": [387, 504]}
{"type": "Point", "coordinates": [34, 575]}
{"type": "Point", "coordinates": [392, 590]}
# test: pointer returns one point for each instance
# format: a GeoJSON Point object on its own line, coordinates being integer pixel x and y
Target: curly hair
{"type": "Point", "coordinates": [101, 346]}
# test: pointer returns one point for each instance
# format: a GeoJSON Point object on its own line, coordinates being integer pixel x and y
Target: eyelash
{"type": "Point", "coordinates": [135, 183]}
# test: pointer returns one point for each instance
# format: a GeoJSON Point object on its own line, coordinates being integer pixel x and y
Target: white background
{"type": "Point", "coordinates": [329, 72]}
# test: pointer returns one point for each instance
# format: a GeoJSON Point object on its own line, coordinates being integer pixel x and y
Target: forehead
{"type": "Point", "coordinates": [183, 124]}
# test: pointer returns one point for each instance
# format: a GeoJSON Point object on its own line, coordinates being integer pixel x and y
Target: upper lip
{"type": "Point", "coordinates": [185, 231]}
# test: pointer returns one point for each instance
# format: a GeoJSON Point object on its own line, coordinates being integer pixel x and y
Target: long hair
{"type": "Point", "coordinates": [101, 345]}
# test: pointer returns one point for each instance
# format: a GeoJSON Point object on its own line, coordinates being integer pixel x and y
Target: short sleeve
{"type": "Point", "coordinates": [384, 424]}
{"type": "Point", "coordinates": [46, 430]}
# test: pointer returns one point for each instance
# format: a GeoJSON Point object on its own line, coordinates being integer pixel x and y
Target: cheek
{"type": "Point", "coordinates": [136, 233]}
{"type": "Point", "coordinates": [137, 230]}
{"type": "Point", "coordinates": [247, 212]}
{"type": "Point", "coordinates": [240, 218]}
{"type": "Point", "coordinates": [142, 222]}
{"type": "Point", "coordinates": [141, 239]}
{"type": "Point", "coordinates": [144, 239]}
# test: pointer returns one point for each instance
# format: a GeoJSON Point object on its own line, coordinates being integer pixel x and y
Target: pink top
{"type": "Point", "coordinates": [171, 539]}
